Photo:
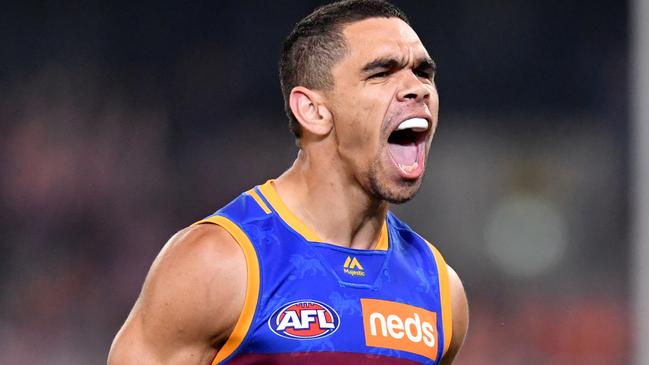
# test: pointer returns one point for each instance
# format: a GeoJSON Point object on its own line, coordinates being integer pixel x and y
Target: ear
{"type": "Point", "coordinates": [308, 108]}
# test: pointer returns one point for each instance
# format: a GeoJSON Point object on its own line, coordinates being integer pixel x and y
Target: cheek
{"type": "Point", "coordinates": [358, 123]}
{"type": "Point", "coordinates": [433, 103]}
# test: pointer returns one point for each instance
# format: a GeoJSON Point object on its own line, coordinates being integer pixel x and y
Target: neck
{"type": "Point", "coordinates": [331, 203]}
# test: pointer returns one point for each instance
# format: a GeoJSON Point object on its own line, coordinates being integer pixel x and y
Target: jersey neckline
{"type": "Point", "coordinates": [272, 197]}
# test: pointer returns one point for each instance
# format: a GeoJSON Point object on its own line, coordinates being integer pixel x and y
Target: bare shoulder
{"type": "Point", "coordinates": [460, 311]}
{"type": "Point", "coordinates": [189, 303]}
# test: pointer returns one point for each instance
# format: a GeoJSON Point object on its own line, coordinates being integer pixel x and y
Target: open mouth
{"type": "Point", "coordinates": [406, 145]}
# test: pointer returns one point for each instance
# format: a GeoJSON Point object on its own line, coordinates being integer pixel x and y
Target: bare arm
{"type": "Point", "coordinates": [460, 310]}
{"type": "Point", "coordinates": [189, 304]}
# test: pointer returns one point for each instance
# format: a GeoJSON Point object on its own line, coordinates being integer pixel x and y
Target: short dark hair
{"type": "Point", "coordinates": [317, 43]}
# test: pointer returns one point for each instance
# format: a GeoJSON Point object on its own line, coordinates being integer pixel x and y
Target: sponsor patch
{"type": "Point", "coordinates": [353, 267]}
{"type": "Point", "coordinates": [400, 326]}
{"type": "Point", "coordinates": [304, 319]}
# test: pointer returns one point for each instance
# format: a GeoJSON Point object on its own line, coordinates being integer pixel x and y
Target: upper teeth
{"type": "Point", "coordinates": [416, 124]}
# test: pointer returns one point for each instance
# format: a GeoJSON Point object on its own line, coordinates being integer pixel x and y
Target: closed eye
{"type": "Point", "coordinates": [379, 75]}
{"type": "Point", "coordinates": [425, 74]}
{"type": "Point", "coordinates": [381, 67]}
{"type": "Point", "coordinates": [426, 69]}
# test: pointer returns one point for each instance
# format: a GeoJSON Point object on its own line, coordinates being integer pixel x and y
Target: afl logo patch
{"type": "Point", "coordinates": [304, 319]}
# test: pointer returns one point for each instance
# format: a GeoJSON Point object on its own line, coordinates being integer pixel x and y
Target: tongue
{"type": "Point", "coordinates": [403, 154]}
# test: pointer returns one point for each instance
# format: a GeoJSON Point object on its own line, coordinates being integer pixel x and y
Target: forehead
{"type": "Point", "coordinates": [379, 37]}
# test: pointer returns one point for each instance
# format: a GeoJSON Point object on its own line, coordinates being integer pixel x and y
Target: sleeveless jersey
{"type": "Point", "coordinates": [310, 302]}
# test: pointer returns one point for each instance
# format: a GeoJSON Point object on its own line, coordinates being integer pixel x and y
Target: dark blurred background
{"type": "Point", "coordinates": [121, 123]}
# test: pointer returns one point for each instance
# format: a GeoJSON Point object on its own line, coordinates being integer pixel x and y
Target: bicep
{"type": "Point", "coordinates": [130, 345]}
{"type": "Point", "coordinates": [196, 276]}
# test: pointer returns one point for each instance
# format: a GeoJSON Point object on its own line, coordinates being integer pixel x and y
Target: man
{"type": "Point", "coordinates": [311, 267]}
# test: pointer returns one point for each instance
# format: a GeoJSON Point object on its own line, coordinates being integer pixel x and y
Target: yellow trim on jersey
{"type": "Point", "coordinates": [259, 201]}
{"type": "Point", "coordinates": [445, 296]}
{"type": "Point", "coordinates": [268, 190]}
{"type": "Point", "coordinates": [382, 244]}
{"type": "Point", "coordinates": [252, 289]}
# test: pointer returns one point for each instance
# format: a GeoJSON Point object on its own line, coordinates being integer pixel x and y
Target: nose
{"type": "Point", "coordinates": [413, 89]}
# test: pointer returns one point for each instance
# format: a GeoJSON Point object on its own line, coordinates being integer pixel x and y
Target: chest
{"type": "Point", "coordinates": [321, 299]}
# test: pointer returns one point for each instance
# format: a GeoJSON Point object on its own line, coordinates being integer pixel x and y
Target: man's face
{"type": "Point", "coordinates": [384, 105]}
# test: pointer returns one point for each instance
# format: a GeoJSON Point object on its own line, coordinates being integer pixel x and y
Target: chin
{"type": "Point", "coordinates": [395, 193]}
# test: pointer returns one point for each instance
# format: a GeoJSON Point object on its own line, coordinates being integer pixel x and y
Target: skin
{"type": "Point", "coordinates": [343, 166]}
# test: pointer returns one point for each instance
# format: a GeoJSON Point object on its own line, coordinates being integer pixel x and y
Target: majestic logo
{"type": "Point", "coordinates": [353, 267]}
{"type": "Point", "coordinates": [400, 326]}
{"type": "Point", "coordinates": [304, 319]}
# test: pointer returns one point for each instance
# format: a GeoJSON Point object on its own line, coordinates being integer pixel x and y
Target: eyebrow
{"type": "Point", "coordinates": [383, 64]}
{"type": "Point", "coordinates": [427, 64]}
{"type": "Point", "coordinates": [388, 63]}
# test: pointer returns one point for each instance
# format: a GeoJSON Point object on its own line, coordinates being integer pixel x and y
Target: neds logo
{"type": "Point", "coordinates": [304, 319]}
{"type": "Point", "coordinates": [400, 326]}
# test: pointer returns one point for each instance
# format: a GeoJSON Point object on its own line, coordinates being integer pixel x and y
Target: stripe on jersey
{"type": "Point", "coordinates": [253, 193]}
{"type": "Point", "coordinates": [252, 288]}
{"type": "Point", "coordinates": [445, 297]}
